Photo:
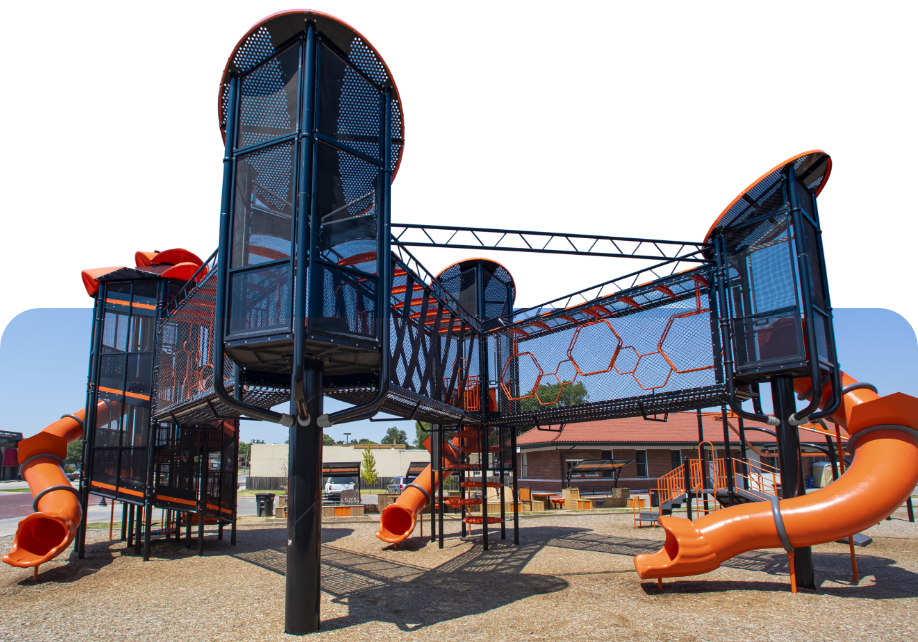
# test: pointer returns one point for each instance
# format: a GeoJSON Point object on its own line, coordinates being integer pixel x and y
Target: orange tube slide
{"type": "Point", "coordinates": [398, 520]}
{"type": "Point", "coordinates": [880, 479]}
{"type": "Point", "coordinates": [45, 534]}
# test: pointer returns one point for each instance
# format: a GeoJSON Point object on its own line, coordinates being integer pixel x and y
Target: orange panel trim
{"type": "Point", "coordinates": [133, 395]}
{"type": "Point", "coordinates": [176, 500]}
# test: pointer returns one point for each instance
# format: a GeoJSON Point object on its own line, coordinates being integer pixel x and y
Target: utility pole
{"type": "Point", "coordinates": [347, 439]}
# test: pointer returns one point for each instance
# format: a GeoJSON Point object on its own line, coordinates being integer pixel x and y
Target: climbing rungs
{"type": "Point", "coordinates": [478, 484]}
{"type": "Point", "coordinates": [456, 503]}
{"type": "Point", "coordinates": [478, 520]}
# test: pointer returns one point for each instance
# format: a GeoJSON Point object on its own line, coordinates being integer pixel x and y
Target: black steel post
{"type": "Point", "coordinates": [130, 534]}
{"type": "Point", "coordinates": [89, 415]}
{"type": "Point", "coordinates": [502, 452]}
{"type": "Point", "coordinates": [138, 542]}
{"type": "Point", "coordinates": [124, 521]}
{"type": "Point", "coordinates": [791, 466]}
{"type": "Point", "coordinates": [237, 392]}
{"type": "Point", "coordinates": [728, 455]}
{"type": "Point", "coordinates": [304, 511]}
{"type": "Point", "coordinates": [688, 487]}
{"type": "Point", "coordinates": [483, 465]}
{"type": "Point", "coordinates": [462, 511]}
{"type": "Point", "coordinates": [830, 448]}
{"type": "Point", "coordinates": [202, 491]}
{"type": "Point", "coordinates": [744, 456]}
{"type": "Point", "coordinates": [516, 487]}
{"type": "Point", "coordinates": [703, 462]}
{"type": "Point", "coordinates": [188, 529]}
{"type": "Point", "coordinates": [434, 454]}
{"type": "Point", "coordinates": [440, 442]}
{"type": "Point", "coordinates": [911, 510]}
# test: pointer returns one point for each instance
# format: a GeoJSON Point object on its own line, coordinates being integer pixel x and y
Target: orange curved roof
{"type": "Point", "coordinates": [816, 162]}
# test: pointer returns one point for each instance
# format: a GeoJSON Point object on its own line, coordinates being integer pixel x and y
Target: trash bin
{"type": "Point", "coordinates": [655, 499]}
{"type": "Point", "coordinates": [264, 504]}
{"type": "Point", "coordinates": [809, 482]}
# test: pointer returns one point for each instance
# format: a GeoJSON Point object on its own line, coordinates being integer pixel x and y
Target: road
{"type": "Point", "coordinates": [14, 506]}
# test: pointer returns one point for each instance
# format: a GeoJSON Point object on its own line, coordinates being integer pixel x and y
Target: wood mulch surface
{"type": "Point", "coordinates": [571, 578]}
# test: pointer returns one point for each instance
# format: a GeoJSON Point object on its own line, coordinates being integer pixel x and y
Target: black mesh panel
{"type": "Point", "coordinates": [263, 206]}
{"type": "Point", "coordinates": [348, 302]}
{"type": "Point", "coordinates": [349, 106]}
{"type": "Point", "coordinates": [268, 99]}
{"type": "Point", "coordinates": [346, 192]}
{"type": "Point", "coordinates": [260, 300]}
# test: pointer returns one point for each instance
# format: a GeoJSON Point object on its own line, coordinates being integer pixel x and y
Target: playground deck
{"type": "Point", "coordinates": [572, 578]}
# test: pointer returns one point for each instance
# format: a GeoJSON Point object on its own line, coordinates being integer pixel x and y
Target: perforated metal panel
{"type": "Point", "coordinates": [263, 209]}
{"type": "Point", "coordinates": [268, 99]}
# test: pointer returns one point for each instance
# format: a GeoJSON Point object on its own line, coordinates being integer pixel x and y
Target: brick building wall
{"type": "Point", "coordinates": [544, 470]}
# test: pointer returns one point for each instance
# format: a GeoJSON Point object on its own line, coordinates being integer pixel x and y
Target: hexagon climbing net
{"type": "Point", "coordinates": [648, 349]}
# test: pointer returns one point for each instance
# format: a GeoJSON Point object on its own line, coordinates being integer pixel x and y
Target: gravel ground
{"type": "Point", "coordinates": [572, 578]}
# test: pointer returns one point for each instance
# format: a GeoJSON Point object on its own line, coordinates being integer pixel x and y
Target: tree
{"type": "Point", "coordinates": [395, 436]}
{"type": "Point", "coordinates": [327, 440]}
{"type": "Point", "coordinates": [75, 452]}
{"type": "Point", "coordinates": [571, 394]}
{"type": "Point", "coordinates": [365, 441]}
{"type": "Point", "coordinates": [420, 436]}
{"type": "Point", "coordinates": [368, 470]}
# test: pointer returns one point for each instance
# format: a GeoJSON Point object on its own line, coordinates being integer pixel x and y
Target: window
{"type": "Point", "coordinates": [676, 457]}
{"type": "Point", "coordinates": [524, 464]}
{"type": "Point", "coordinates": [606, 454]}
{"type": "Point", "coordinates": [640, 457]}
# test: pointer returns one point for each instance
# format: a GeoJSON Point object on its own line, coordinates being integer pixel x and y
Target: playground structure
{"type": "Point", "coordinates": [313, 292]}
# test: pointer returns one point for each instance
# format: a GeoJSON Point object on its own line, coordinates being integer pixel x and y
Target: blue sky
{"type": "Point", "coordinates": [44, 358]}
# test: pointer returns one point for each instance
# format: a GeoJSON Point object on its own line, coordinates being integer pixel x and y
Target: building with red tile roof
{"type": "Point", "coordinates": [547, 454]}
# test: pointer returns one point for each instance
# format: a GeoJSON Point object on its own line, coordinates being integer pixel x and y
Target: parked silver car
{"type": "Point", "coordinates": [399, 484]}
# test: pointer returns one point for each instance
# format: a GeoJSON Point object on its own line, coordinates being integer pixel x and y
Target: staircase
{"type": "Point", "coordinates": [705, 484]}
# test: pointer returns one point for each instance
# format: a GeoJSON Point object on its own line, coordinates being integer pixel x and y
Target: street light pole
{"type": "Point", "coordinates": [347, 438]}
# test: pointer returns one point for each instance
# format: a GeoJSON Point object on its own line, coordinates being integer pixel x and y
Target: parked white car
{"type": "Point", "coordinates": [334, 486]}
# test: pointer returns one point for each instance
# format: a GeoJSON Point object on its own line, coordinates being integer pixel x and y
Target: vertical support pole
{"type": "Point", "coordinates": [89, 415]}
{"type": "Point", "coordinates": [503, 500]}
{"type": "Point", "coordinates": [516, 487]}
{"type": "Point", "coordinates": [304, 512]}
{"type": "Point", "coordinates": [138, 543]}
{"type": "Point", "coordinates": [462, 510]}
{"type": "Point", "coordinates": [728, 454]}
{"type": "Point", "coordinates": [188, 529]}
{"type": "Point", "coordinates": [911, 510]}
{"type": "Point", "coordinates": [148, 526]}
{"type": "Point", "coordinates": [484, 403]}
{"type": "Point", "coordinates": [782, 389]}
{"type": "Point", "coordinates": [124, 521]}
{"type": "Point", "coordinates": [483, 465]}
{"type": "Point", "coordinates": [688, 487]}
{"type": "Point", "coordinates": [703, 463]}
{"type": "Point", "coordinates": [434, 455]}
{"type": "Point", "coordinates": [237, 392]}
{"type": "Point", "coordinates": [440, 440]}
{"type": "Point", "coordinates": [130, 533]}
{"type": "Point", "coordinates": [745, 456]}
{"type": "Point", "coordinates": [202, 490]}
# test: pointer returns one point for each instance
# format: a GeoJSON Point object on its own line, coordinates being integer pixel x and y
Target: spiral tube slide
{"type": "Point", "coordinates": [398, 520]}
{"type": "Point", "coordinates": [45, 534]}
{"type": "Point", "coordinates": [884, 442]}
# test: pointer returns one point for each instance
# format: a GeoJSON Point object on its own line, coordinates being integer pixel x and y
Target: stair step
{"type": "Point", "coordinates": [455, 503]}
{"type": "Point", "coordinates": [478, 520]}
